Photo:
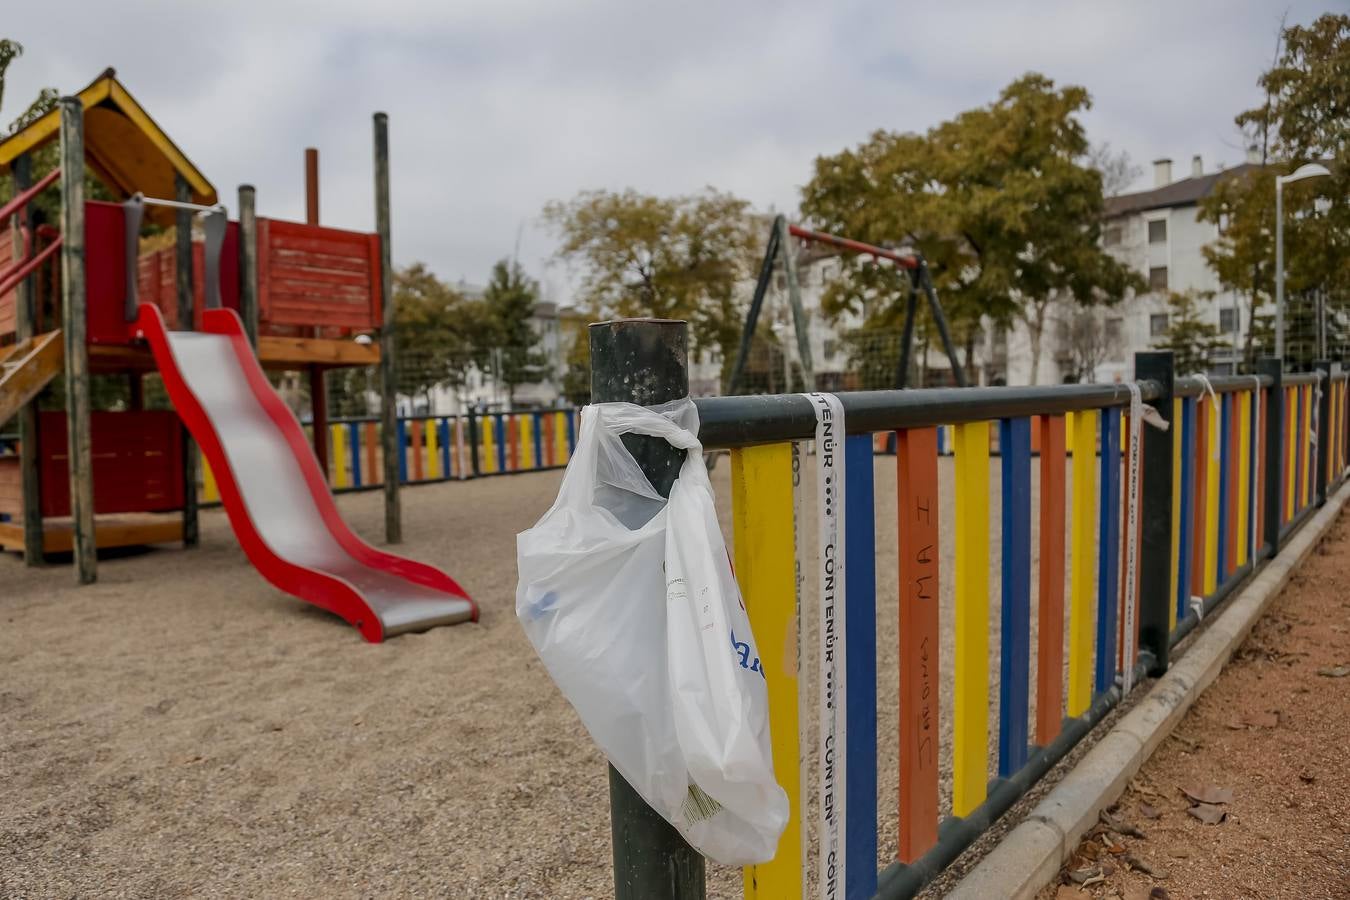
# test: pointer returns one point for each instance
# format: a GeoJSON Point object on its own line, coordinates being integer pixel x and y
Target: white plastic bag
{"type": "Point", "coordinates": [630, 601]}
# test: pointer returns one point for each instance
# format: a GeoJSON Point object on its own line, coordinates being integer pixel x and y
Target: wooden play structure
{"type": "Point", "coordinates": [90, 296]}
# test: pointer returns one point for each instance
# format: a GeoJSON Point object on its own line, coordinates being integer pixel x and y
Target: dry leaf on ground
{"type": "Point", "coordinates": [1208, 813]}
{"type": "Point", "coordinates": [1334, 671]}
{"type": "Point", "coordinates": [1208, 793]}
{"type": "Point", "coordinates": [1068, 892]}
{"type": "Point", "coordinates": [1149, 811]}
{"type": "Point", "coordinates": [1262, 720]}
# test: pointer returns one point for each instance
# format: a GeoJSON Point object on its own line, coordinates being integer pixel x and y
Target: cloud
{"type": "Point", "coordinates": [496, 108]}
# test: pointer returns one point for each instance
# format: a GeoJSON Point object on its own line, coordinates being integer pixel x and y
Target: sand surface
{"type": "Point", "coordinates": [181, 728]}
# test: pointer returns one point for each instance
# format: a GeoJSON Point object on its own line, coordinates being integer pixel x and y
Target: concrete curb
{"type": "Point", "coordinates": [1029, 856]}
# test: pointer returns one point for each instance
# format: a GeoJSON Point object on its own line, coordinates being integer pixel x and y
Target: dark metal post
{"type": "Point", "coordinates": [318, 415]}
{"type": "Point", "coordinates": [907, 336]}
{"type": "Point", "coordinates": [1155, 546]}
{"type": "Point", "coordinates": [248, 261]}
{"type": "Point", "coordinates": [393, 513]}
{"type": "Point", "coordinates": [75, 325]}
{"type": "Point", "coordinates": [187, 321]}
{"type": "Point", "coordinates": [645, 361]}
{"type": "Point", "coordinates": [1273, 411]}
{"type": "Point", "coordinates": [25, 327]}
{"type": "Point", "coordinates": [472, 418]}
{"type": "Point", "coordinates": [926, 282]}
{"type": "Point", "coordinates": [1320, 451]}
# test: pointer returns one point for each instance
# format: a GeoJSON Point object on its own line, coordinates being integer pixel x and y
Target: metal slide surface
{"type": "Point", "coordinates": [275, 494]}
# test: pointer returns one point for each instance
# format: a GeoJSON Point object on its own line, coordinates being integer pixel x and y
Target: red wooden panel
{"type": "Point", "coordinates": [7, 263]}
{"type": "Point", "coordinates": [138, 462]}
{"type": "Point", "coordinates": [316, 278]}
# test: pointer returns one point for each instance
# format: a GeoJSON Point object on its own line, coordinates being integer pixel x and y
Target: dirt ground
{"type": "Point", "coordinates": [183, 729]}
{"type": "Point", "coordinates": [1273, 731]}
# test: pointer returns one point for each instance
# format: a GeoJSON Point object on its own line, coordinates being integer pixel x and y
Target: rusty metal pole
{"type": "Point", "coordinates": [75, 326]}
{"type": "Point", "coordinates": [311, 186]}
{"type": "Point", "coordinates": [645, 361]}
{"type": "Point", "coordinates": [248, 261]}
{"type": "Point", "coordinates": [25, 327]}
{"type": "Point", "coordinates": [389, 437]}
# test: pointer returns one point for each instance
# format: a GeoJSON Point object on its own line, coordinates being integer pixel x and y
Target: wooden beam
{"type": "Point", "coordinates": [311, 186]}
{"type": "Point", "coordinates": [186, 322]}
{"type": "Point", "coordinates": [299, 352]}
{"type": "Point", "coordinates": [75, 328]}
{"type": "Point", "coordinates": [393, 513]}
{"type": "Point", "coordinates": [25, 327]}
{"type": "Point", "coordinates": [126, 530]}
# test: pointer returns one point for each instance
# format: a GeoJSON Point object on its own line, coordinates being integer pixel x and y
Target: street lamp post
{"type": "Point", "coordinates": [1310, 170]}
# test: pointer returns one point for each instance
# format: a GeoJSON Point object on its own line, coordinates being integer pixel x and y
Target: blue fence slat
{"type": "Point", "coordinates": [1187, 539]}
{"type": "Point", "coordinates": [539, 440]}
{"type": "Point", "coordinates": [443, 433]}
{"type": "Point", "coordinates": [1014, 440]}
{"type": "Point", "coordinates": [1225, 476]}
{"type": "Point", "coordinates": [499, 432]}
{"type": "Point", "coordinates": [354, 442]}
{"type": "Point", "coordinates": [1108, 551]}
{"type": "Point", "coordinates": [402, 452]}
{"type": "Point", "coordinates": [860, 672]}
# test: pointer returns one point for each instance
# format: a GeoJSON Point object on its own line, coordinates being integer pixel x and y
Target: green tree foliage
{"type": "Point", "coordinates": [10, 50]}
{"type": "Point", "coordinates": [439, 333]}
{"type": "Point", "coordinates": [576, 386]}
{"type": "Point", "coordinates": [1191, 339]}
{"type": "Point", "coordinates": [668, 257]}
{"type": "Point", "coordinates": [1002, 200]}
{"type": "Point", "coordinates": [1306, 118]}
{"type": "Point", "coordinates": [510, 298]}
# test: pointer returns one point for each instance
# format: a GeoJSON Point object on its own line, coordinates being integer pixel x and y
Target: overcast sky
{"type": "Point", "coordinates": [498, 106]}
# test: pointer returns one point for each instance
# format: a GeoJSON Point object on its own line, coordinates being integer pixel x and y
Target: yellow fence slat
{"type": "Point", "coordinates": [1084, 529]}
{"type": "Point", "coordinates": [527, 441]}
{"type": "Point", "coordinates": [431, 441]}
{"type": "Point", "coordinates": [970, 717]}
{"type": "Point", "coordinates": [762, 520]}
{"type": "Point", "coordinates": [210, 493]}
{"type": "Point", "coordinates": [337, 437]}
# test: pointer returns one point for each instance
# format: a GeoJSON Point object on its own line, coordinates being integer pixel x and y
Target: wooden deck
{"type": "Point", "coordinates": [273, 352]}
{"type": "Point", "coordinates": [119, 530]}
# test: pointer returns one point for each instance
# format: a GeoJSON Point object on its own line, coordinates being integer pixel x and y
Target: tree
{"type": "Point", "coordinates": [1118, 171]}
{"type": "Point", "coordinates": [439, 333]}
{"type": "Point", "coordinates": [1191, 339]}
{"type": "Point", "coordinates": [576, 385]}
{"type": "Point", "coordinates": [510, 299]}
{"type": "Point", "coordinates": [1086, 342]}
{"type": "Point", "coordinates": [668, 257]}
{"type": "Point", "coordinates": [1001, 200]}
{"type": "Point", "coordinates": [1306, 118]}
{"type": "Point", "coordinates": [9, 51]}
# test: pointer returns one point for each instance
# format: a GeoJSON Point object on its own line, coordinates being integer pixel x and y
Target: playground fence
{"type": "Point", "coordinates": [442, 448]}
{"type": "Point", "coordinates": [1244, 463]}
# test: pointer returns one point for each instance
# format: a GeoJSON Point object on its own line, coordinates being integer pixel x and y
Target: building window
{"type": "Point", "coordinates": [1114, 327]}
{"type": "Point", "coordinates": [1228, 319]}
{"type": "Point", "coordinates": [1157, 231]}
{"type": "Point", "coordinates": [1157, 324]}
{"type": "Point", "coordinates": [831, 348]}
{"type": "Point", "coordinates": [1112, 236]}
{"type": "Point", "coordinates": [1157, 278]}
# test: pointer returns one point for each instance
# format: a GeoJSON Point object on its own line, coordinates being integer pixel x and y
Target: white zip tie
{"type": "Point", "coordinates": [1131, 534]}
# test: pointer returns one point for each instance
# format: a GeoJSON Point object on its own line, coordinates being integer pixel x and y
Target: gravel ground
{"type": "Point", "coordinates": [182, 729]}
{"type": "Point", "coordinates": [1272, 730]}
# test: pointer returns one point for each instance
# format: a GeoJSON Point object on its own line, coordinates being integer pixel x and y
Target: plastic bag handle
{"type": "Point", "coordinates": [656, 421]}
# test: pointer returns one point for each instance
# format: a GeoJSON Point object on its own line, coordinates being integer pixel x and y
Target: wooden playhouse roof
{"type": "Point", "coordinates": [122, 144]}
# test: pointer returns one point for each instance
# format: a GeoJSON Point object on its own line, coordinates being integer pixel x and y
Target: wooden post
{"type": "Point", "coordinates": [187, 321]}
{"type": "Point", "coordinates": [645, 361]}
{"type": "Point", "coordinates": [25, 327]}
{"type": "Point", "coordinates": [75, 327]}
{"type": "Point", "coordinates": [318, 407]}
{"type": "Point", "coordinates": [393, 513]}
{"type": "Point", "coordinates": [311, 186]}
{"type": "Point", "coordinates": [248, 261]}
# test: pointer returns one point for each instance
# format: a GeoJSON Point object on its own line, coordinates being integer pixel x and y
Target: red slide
{"type": "Point", "coordinates": [275, 494]}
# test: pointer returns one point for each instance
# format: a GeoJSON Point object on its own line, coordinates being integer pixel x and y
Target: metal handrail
{"type": "Point", "coordinates": [22, 200]}
{"type": "Point", "coordinates": [743, 421]}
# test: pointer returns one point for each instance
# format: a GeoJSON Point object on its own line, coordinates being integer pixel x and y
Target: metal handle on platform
{"type": "Point", "coordinates": [213, 226]}
{"type": "Point", "coordinates": [133, 210]}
